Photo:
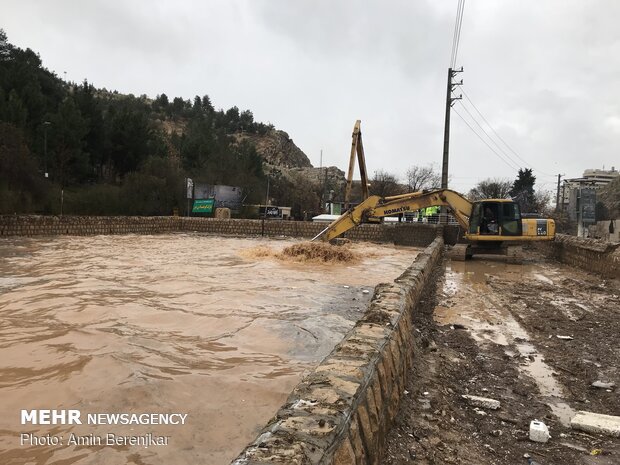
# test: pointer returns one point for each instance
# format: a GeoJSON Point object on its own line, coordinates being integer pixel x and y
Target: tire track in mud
{"type": "Point", "coordinates": [494, 334]}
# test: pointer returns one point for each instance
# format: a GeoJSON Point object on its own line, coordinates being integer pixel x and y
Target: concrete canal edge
{"type": "Point", "coordinates": [587, 254]}
{"type": "Point", "coordinates": [409, 234]}
{"type": "Point", "coordinates": [341, 413]}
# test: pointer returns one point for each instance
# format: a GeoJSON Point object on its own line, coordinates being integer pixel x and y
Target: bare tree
{"type": "Point", "coordinates": [385, 184]}
{"type": "Point", "coordinates": [422, 177]}
{"type": "Point", "coordinates": [542, 200]}
{"type": "Point", "coordinates": [495, 188]}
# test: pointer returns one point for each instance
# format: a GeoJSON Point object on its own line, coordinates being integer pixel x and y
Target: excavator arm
{"type": "Point", "coordinates": [379, 207]}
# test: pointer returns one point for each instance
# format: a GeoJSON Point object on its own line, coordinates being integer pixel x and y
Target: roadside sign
{"type": "Point", "coordinates": [203, 206]}
{"type": "Point", "coordinates": [190, 188]}
{"type": "Point", "coordinates": [273, 212]}
{"type": "Point", "coordinates": [588, 206]}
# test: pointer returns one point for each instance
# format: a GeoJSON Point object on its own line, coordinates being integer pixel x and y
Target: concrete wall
{"type": "Point", "coordinates": [12, 225]}
{"type": "Point", "coordinates": [600, 230]}
{"type": "Point", "coordinates": [588, 254]}
{"type": "Point", "coordinates": [340, 414]}
{"type": "Point", "coordinates": [414, 234]}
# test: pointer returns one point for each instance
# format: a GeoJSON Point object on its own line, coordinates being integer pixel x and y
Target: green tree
{"type": "Point", "coordinates": [601, 212]}
{"type": "Point", "coordinates": [207, 106]}
{"type": "Point", "coordinates": [91, 109]}
{"type": "Point", "coordinates": [523, 190]}
{"type": "Point", "coordinates": [161, 104]}
{"type": "Point", "coordinates": [15, 111]}
{"type": "Point", "coordinates": [610, 197]}
{"type": "Point", "coordinates": [199, 144]}
{"type": "Point", "coordinates": [66, 137]}
{"type": "Point", "coordinates": [130, 135]}
{"type": "Point", "coordinates": [21, 183]}
{"type": "Point", "coordinates": [246, 121]}
{"type": "Point", "coordinates": [5, 46]}
{"type": "Point", "coordinates": [180, 107]}
{"type": "Point", "coordinates": [232, 120]}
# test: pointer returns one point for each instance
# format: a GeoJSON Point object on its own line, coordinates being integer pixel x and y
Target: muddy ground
{"type": "Point", "coordinates": [491, 330]}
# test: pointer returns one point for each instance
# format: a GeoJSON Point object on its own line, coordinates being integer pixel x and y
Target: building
{"type": "Point", "coordinates": [600, 178]}
{"type": "Point", "coordinates": [592, 178]}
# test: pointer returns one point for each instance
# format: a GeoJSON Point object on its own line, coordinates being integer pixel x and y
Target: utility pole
{"type": "Point", "coordinates": [262, 231]}
{"type": "Point", "coordinates": [557, 195]}
{"type": "Point", "coordinates": [446, 135]}
{"type": "Point", "coordinates": [563, 194]}
{"type": "Point", "coordinates": [321, 183]}
{"type": "Point", "coordinates": [46, 124]}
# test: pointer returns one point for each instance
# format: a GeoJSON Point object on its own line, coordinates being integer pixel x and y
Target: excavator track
{"type": "Point", "coordinates": [514, 254]}
{"type": "Point", "coordinates": [460, 252]}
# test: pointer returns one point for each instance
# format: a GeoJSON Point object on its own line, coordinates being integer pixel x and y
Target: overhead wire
{"type": "Point", "coordinates": [457, 32]}
{"type": "Point", "coordinates": [455, 48]}
{"type": "Point", "coordinates": [458, 38]}
{"type": "Point", "coordinates": [484, 141]}
{"type": "Point", "coordinates": [500, 137]}
{"type": "Point", "coordinates": [487, 134]}
{"type": "Point", "coordinates": [454, 33]}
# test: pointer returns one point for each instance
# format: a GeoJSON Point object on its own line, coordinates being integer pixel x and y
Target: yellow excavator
{"type": "Point", "coordinates": [492, 226]}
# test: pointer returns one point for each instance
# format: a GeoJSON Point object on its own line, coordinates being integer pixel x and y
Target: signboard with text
{"type": "Point", "coordinates": [203, 206]}
{"type": "Point", "coordinates": [224, 196]}
{"type": "Point", "coordinates": [588, 206]}
{"type": "Point", "coordinates": [273, 212]}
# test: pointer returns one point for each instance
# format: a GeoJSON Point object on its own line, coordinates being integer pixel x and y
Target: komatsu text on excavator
{"type": "Point", "coordinates": [492, 226]}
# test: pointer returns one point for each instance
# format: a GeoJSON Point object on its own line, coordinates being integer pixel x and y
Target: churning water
{"type": "Point", "coordinates": [202, 325]}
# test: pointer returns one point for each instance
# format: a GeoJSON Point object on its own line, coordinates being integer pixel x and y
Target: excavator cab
{"type": "Point", "coordinates": [495, 218]}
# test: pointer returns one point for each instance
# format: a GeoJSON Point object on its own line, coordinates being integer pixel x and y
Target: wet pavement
{"type": "Point", "coordinates": [165, 324]}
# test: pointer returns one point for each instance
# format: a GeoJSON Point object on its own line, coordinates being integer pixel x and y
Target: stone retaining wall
{"type": "Point", "coordinates": [341, 413]}
{"type": "Point", "coordinates": [414, 234]}
{"type": "Point", "coordinates": [588, 254]}
{"type": "Point", "coordinates": [11, 225]}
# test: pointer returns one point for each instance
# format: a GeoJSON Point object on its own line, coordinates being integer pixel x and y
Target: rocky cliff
{"type": "Point", "coordinates": [277, 149]}
{"type": "Point", "coordinates": [281, 157]}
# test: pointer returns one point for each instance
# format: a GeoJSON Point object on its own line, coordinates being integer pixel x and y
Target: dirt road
{"type": "Point", "coordinates": [492, 330]}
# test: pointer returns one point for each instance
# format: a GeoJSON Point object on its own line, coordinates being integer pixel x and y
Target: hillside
{"type": "Point", "coordinates": [111, 153]}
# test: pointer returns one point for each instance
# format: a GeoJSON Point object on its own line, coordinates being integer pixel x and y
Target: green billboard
{"type": "Point", "coordinates": [203, 206]}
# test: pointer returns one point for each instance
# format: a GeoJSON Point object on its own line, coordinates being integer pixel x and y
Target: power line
{"type": "Point", "coordinates": [500, 137]}
{"type": "Point", "coordinates": [484, 141]}
{"type": "Point", "coordinates": [493, 141]}
{"type": "Point", "coordinates": [457, 32]}
{"type": "Point", "coordinates": [456, 20]}
{"type": "Point", "coordinates": [508, 157]}
{"type": "Point", "coordinates": [458, 39]}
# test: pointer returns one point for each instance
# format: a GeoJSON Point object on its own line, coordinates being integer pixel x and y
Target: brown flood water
{"type": "Point", "coordinates": [166, 324]}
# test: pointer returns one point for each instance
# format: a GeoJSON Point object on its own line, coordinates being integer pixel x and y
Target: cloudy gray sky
{"type": "Point", "coordinates": [544, 73]}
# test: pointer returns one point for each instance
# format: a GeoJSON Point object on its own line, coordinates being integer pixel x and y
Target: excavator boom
{"type": "Point", "coordinates": [379, 207]}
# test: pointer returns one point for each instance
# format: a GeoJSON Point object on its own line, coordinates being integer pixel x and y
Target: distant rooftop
{"type": "Point", "coordinates": [596, 177]}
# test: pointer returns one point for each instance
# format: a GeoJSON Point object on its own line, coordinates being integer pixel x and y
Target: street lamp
{"type": "Point", "coordinates": [46, 124]}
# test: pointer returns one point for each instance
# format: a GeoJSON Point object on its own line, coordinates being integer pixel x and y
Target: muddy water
{"type": "Point", "coordinates": [467, 299]}
{"type": "Point", "coordinates": [165, 324]}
